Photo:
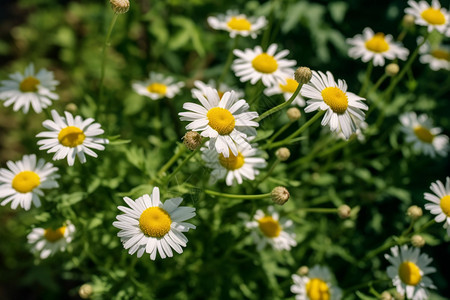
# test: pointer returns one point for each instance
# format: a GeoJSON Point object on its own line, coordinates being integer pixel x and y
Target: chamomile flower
{"type": "Point", "coordinates": [238, 24]}
{"type": "Point", "coordinates": [71, 137]}
{"type": "Point", "coordinates": [377, 47]}
{"type": "Point", "coordinates": [343, 109]}
{"type": "Point", "coordinates": [438, 58]}
{"type": "Point", "coordinates": [48, 241]}
{"type": "Point", "coordinates": [245, 165]}
{"type": "Point", "coordinates": [253, 65]}
{"type": "Point", "coordinates": [200, 86]}
{"type": "Point", "coordinates": [225, 120]}
{"type": "Point", "coordinates": [158, 86]}
{"type": "Point", "coordinates": [440, 205]}
{"type": "Point", "coordinates": [269, 229]}
{"type": "Point", "coordinates": [151, 226]}
{"type": "Point", "coordinates": [317, 285]}
{"type": "Point", "coordinates": [424, 137]}
{"type": "Point", "coordinates": [30, 88]}
{"type": "Point", "coordinates": [434, 16]}
{"type": "Point", "coordinates": [361, 126]}
{"type": "Point", "coordinates": [23, 182]}
{"type": "Point", "coordinates": [409, 272]}
{"type": "Point", "coordinates": [286, 89]}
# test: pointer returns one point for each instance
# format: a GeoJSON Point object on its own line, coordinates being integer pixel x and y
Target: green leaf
{"type": "Point", "coordinates": [364, 297]}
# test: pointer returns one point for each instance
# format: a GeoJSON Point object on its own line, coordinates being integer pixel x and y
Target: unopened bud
{"type": "Point", "coordinates": [344, 211]}
{"type": "Point", "coordinates": [283, 154]}
{"type": "Point", "coordinates": [303, 75]}
{"type": "Point", "coordinates": [71, 107]}
{"type": "Point", "coordinates": [392, 69]}
{"type": "Point", "coordinates": [414, 212]}
{"type": "Point", "coordinates": [408, 21]}
{"type": "Point", "coordinates": [280, 195]}
{"type": "Point", "coordinates": [85, 291]}
{"type": "Point", "coordinates": [303, 271]}
{"type": "Point", "coordinates": [120, 6]}
{"type": "Point", "coordinates": [293, 113]}
{"type": "Point", "coordinates": [417, 241]}
{"type": "Point", "coordinates": [192, 140]}
{"type": "Point", "coordinates": [386, 296]}
{"type": "Point", "coordinates": [398, 296]}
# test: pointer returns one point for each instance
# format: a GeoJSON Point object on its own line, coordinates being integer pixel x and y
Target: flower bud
{"type": "Point", "coordinates": [417, 241]}
{"type": "Point", "coordinates": [283, 154]}
{"type": "Point", "coordinates": [120, 6]}
{"type": "Point", "coordinates": [408, 21]}
{"type": "Point", "coordinates": [414, 212]}
{"type": "Point", "coordinates": [303, 75]}
{"type": "Point", "coordinates": [293, 113]}
{"type": "Point", "coordinates": [344, 211]}
{"type": "Point", "coordinates": [398, 296]}
{"type": "Point", "coordinates": [71, 107]}
{"type": "Point", "coordinates": [386, 296]}
{"type": "Point", "coordinates": [85, 291]}
{"type": "Point", "coordinates": [303, 271]}
{"type": "Point", "coordinates": [392, 69]}
{"type": "Point", "coordinates": [280, 195]}
{"type": "Point", "coordinates": [192, 140]}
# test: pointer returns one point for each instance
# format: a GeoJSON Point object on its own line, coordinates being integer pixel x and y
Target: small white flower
{"type": "Point", "coordinates": [253, 65]}
{"type": "Point", "coordinates": [200, 86]}
{"type": "Point", "coordinates": [408, 272]}
{"type": "Point", "coordinates": [438, 58]}
{"type": "Point", "coordinates": [48, 241]}
{"type": "Point", "coordinates": [440, 205]}
{"type": "Point", "coordinates": [22, 184]}
{"type": "Point", "coordinates": [361, 126]}
{"type": "Point", "coordinates": [434, 16]}
{"type": "Point", "coordinates": [238, 24]}
{"type": "Point", "coordinates": [71, 137]}
{"type": "Point", "coordinates": [420, 132]}
{"type": "Point", "coordinates": [287, 89]}
{"type": "Point", "coordinates": [377, 47]}
{"type": "Point", "coordinates": [317, 285]}
{"type": "Point", "coordinates": [29, 89]}
{"type": "Point", "coordinates": [158, 86]}
{"type": "Point", "coordinates": [151, 226]}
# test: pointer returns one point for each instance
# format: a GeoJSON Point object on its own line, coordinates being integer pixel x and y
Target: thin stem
{"type": "Point", "coordinates": [272, 167]}
{"type": "Point", "coordinates": [181, 149]}
{"type": "Point", "coordinates": [366, 79]}
{"type": "Point", "coordinates": [322, 210]}
{"type": "Point", "coordinates": [227, 63]}
{"type": "Point", "coordinates": [178, 168]}
{"type": "Point", "coordinates": [243, 197]}
{"type": "Point", "coordinates": [280, 131]}
{"type": "Point", "coordinates": [266, 35]}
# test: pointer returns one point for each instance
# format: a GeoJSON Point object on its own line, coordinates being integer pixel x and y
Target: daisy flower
{"type": "Point", "coordinates": [69, 136]}
{"type": "Point", "coordinates": [24, 181]}
{"type": "Point", "coordinates": [316, 286]}
{"type": "Point", "coordinates": [48, 241]}
{"type": "Point", "coordinates": [233, 167]}
{"type": "Point", "coordinates": [238, 24]}
{"type": "Point", "coordinates": [434, 16]}
{"type": "Point", "coordinates": [255, 64]}
{"type": "Point", "coordinates": [361, 126]}
{"type": "Point", "coordinates": [376, 47]}
{"type": "Point", "coordinates": [158, 86]}
{"type": "Point", "coordinates": [343, 109]}
{"type": "Point", "coordinates": [270, 229]}
{"type": "Point", "coordinates": [440, 205]}
{"type": "Point", "coordinates": [225, 120]}
{"type": "Point", "coordinates": [437, 57]}
{"type": "Point", "coordinates": [151, 226]}
{"type": "Point", "coordinates": [286, 90]}
{"type": "Point", "coordinates": [200, 86]}
{"type": "Point", "coordinates": [29, 88]}
{"type": "Point", "coordinates": [408, 272]}
{"type": "Point", "coordinates": [420, 132]}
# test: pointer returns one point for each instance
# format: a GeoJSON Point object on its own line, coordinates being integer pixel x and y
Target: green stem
{"type": "Point", "coordinates": [243, 197]}
{"type": "Point", "coordinates": [337, 146]}
{"type": "Point", "coordinates": [227, 63]}
{"type": "Point", "coordinates": [187, 158]}
{"type": "Point", "coordinates": [366, 79]}
{"type": "Point", "coordinates": [322, 210]}
{"type": "Point", "coordinates": [266, 35]}
{"type": "Point", "coordinates": [280, 131]}
{"type": "Point", "coordinates": [181, 149]}
{"type": "Point", "coordinates": [272, 167]}
{"type": "Point", "coordinates": [363, 285]}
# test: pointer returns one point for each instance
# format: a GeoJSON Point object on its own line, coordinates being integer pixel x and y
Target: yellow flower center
{"type": "Point", "coordinates": [317, 289]}
{"type": "Point", "coordinates": [239, 24]}
{"type": "Point", "coordinates": [377, 43]}
{"type": "Point", "coordinates": [269, 226]}
{"type": "Point", "coordinates": [445, 205]}
{"type": "Point", "coordinates": [155, 222]}
{"type": "Point", "coordinates": [221, 120]}
{"type": "Point", "coordinates": [54, 235]}
{"type": "Point", "coordinates": [290, 86]}
{"type": "Point", "coordinates": [25, 181]}
{"type": "Point", "coordinates": [232, 162]}
{"type": "Point", "coordinates": [71, 136]}
{"type": "Point", "coordinates": [157, 88]}
{"type": "Point", "coordinates": [433, 16]}
{"type": "Point", "coordinates": [441, 54]}
{"type": "Point", "coordinates": [29, 84]}
{"type": "Point", "coordinates": [336, 99]}
{"type": "Point", "coordinates": [423, 134]}
{"type": "Point", "coordinates": [409, 273]}
{"type": "Point", "coordinates": [265, 63]}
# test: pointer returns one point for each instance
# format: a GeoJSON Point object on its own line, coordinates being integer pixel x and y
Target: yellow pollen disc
{"type": "Point", "coordinates": [290, 86]}
{"type": "Point", "coordinates": [29, 84]}
{"type": "Point", "coordinates": [423, 134]}
{"type": "Point", "coordinates": [441, 54]}
{"type": "Point", "coordinates": [265, 63]}
{"type": "Point", "coordinates": [155, 222]}
{"type": "Point", "coordinates": [157, 88]}
{"type": "Point", "coordinates": [336, 99]}
{"type": "Point", "coordinates": [409, 273]}
{"type": "Point", "coordinates": [54, 235]}
{"type": "Point", "coordinates": [25, 181]}
{"type": "Point", "coordinates": [221, 120]}
{"type": "Point", "coordinates": [269, 226]}
{"type": "Point", "coordinates": [71, 136]}
{"type": "Point", "coordinates": [377, 43]}
{"type": "Point", "coordinates": [232, 162]}
{"type": "Point", "coordinates": [317, 289]}
{"type": "Point", "coordinates": [239, 24]}
{"type": "Point", "coordinates": [445, 205]}
{"type": "Point", "coordinates": [433, 16]}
